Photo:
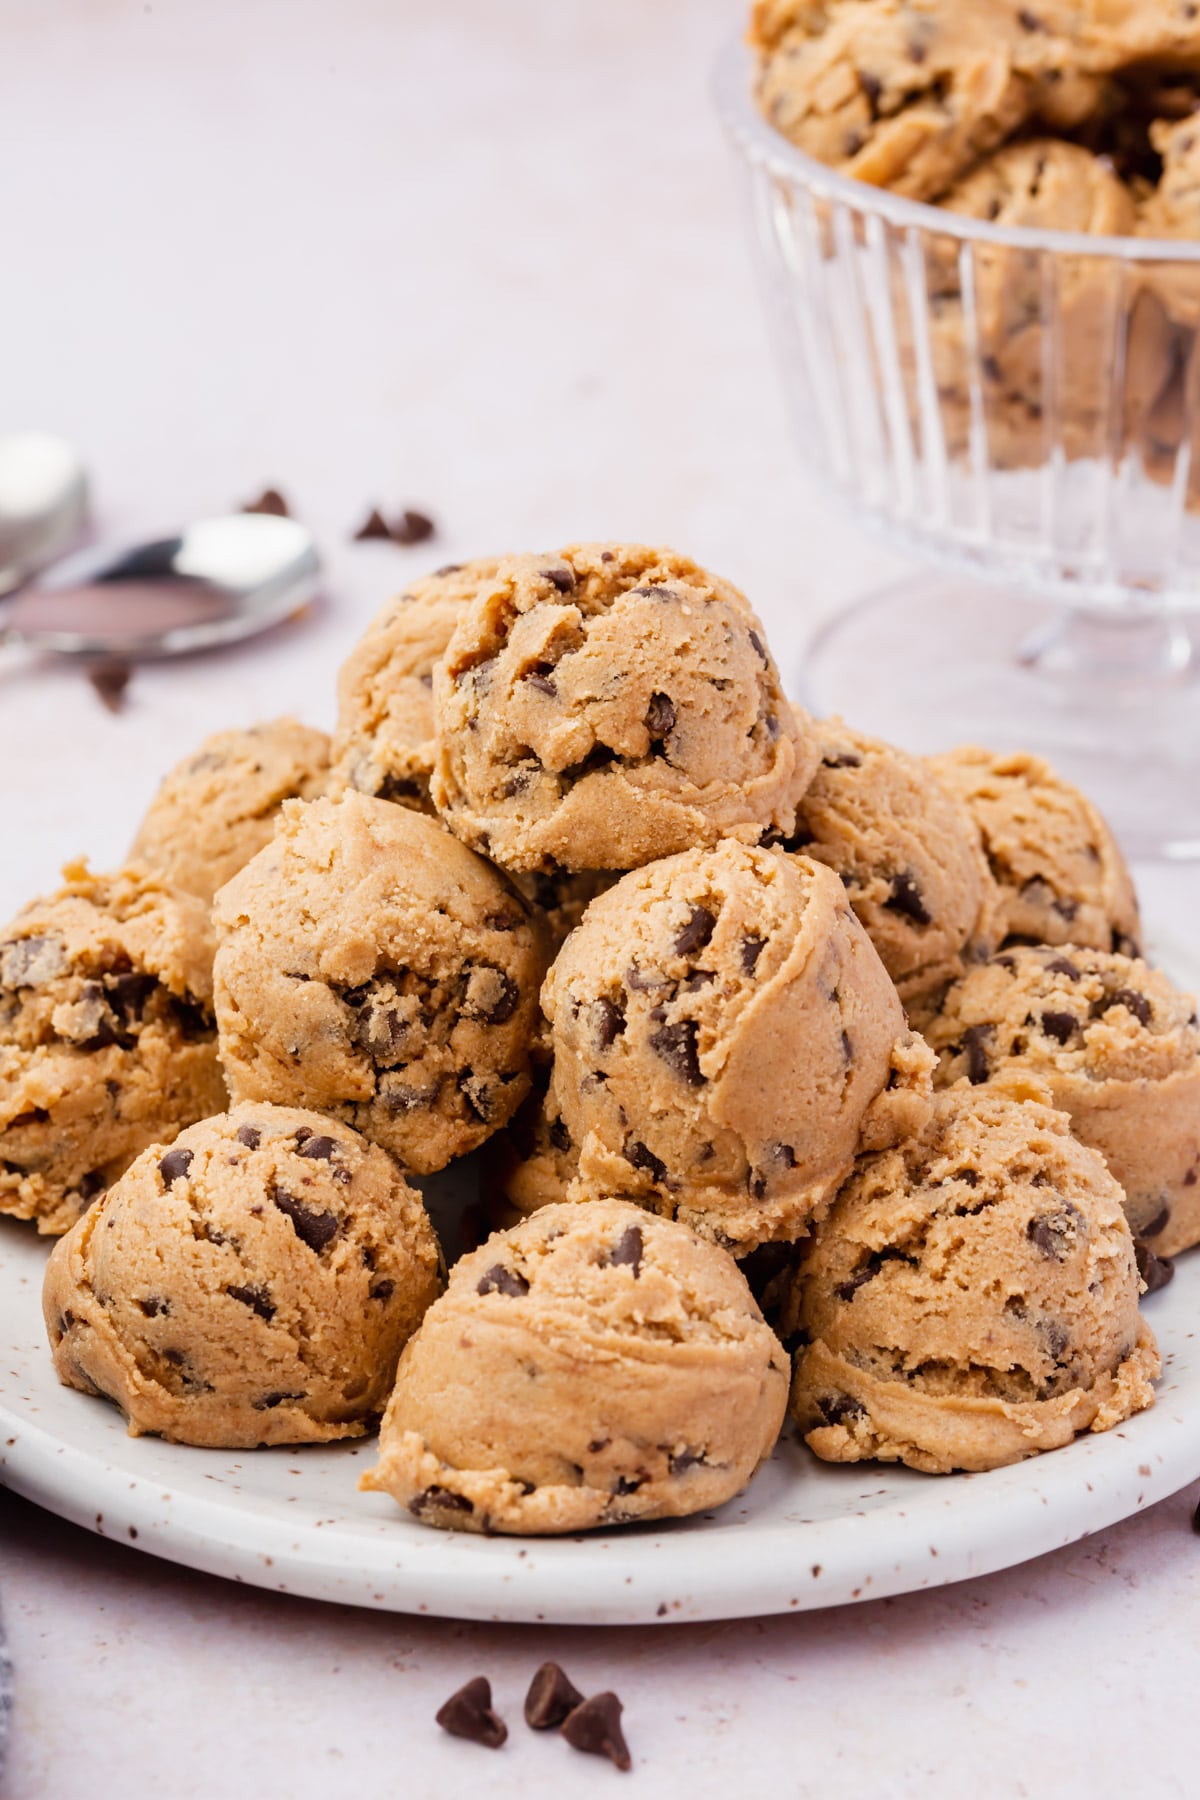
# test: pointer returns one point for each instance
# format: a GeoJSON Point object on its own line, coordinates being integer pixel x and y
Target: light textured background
{"type": "Point", "coordinates": [485, 258]}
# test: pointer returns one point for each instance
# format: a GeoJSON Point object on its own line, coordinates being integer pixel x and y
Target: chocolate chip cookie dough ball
{"type": "Point", "coordinates": [253, 1284]}
{"type": "Point", "coordinates": [1108, 1041]}
{"type": "Point", "coordinates": [372, 968]}
{"type": "Point", "coordinates": [972, 1298]}
{"type": "Point", "coordinates": [107, 1037]}
{"type": "Point", "coordinates": [217, 809]}
{"type": "Point", "coordinates": [592, 1367]}
{"type": "Point", "coordinates": [724, 1036]}
{"type": "Point", "coordinates": [908, 853]}
{"type": "Point", "coordinates": [1061, 876]}
{"type": "Point", "coordinates": [603, 707]}
{"type": "Point", "coordinates": [384, 742]}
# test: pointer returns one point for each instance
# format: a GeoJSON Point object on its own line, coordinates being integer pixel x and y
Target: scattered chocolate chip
{"type": "Point", "coordinates": [1061, 1026]}
{"type": "Point", "coordinates": [256, 1298]}
{"type": "Point", "coordinates": [316, 1229]}
{"type": "Point", "coordinates": [373, 526]}
{"type": "Point", "coordinates": [412, 527]}
{"type": "Point", "coordinates": [660, 717]}
{"type": "Point", "coordinates": [906, 897]}
{"type": "Point", "coordinates": [1133, 1002]}
{"type": "Point", "coordinates": [1155, 1271]}
{"type": "Point", "coordinates": [1056, 1234]}
{"type": "Point", "coordinates": [595, 1728]}
{"type": "Point", "coordinates": [270, 501]}
{"type": "Point", "coordinates": [638, 1156]}
{"type": "Point", "coordinates": [381, 1290]}
{"type": "Point", "coordinates": [974, 1042]}
{"type": "Point", "coordinates": [110, 677]}
{"type": "Point", "coordinates": [468, 1714]}
{"type": "Point", "coordinates": [752, 949]}
{"type": "Point", "coordinates": [696, 933]}
{"type": "Point", "coordinates": [676, 1044]}
{"type": "Point", "coordinates": [552, 1695]}
{"type": "Point", "coordinates": [438, 1499]}
{"type": "Point", "coordinates": [249, 1135]}
{"type": "Point", "coordinates": [318, 1149]}
{"type": "Point", "coordinates": [563, 579]}
{"type": "Point", "coordinates": [628, 1250]}
{"type": "Point", "coordinates": [175, 1165]}
{"type": "Point", "coordinates": [609, 1020]}
{"type": "Point", "coordinates": [500, 1280]}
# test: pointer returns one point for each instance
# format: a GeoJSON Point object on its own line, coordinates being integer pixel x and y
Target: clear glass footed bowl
{"type": "Point", "coordinates": [1022, 406]}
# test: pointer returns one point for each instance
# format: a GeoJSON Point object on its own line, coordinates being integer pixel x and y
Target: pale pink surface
{"type": "Point", "coordinates": [485, 259]}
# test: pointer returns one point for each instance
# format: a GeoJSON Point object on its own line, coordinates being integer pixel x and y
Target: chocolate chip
{"type": "Point", "coordinates": [845, 759]}
{"type": "Point", "coordinates": [1056, 1234]}
{"type": "Point", "coordinates": [752, 949]}
{"type": "Point", "coordinates": [660, 717]}
{"type": "Point", "coordinates": [175, 1165]}
{"type": "Point", "coordinates": [638, 1156]}
{"type": "Point", "coordinates": [872, 87]}
{"type": "Point", "coordinates": [1158, 1223]}
{"type": "Point", "coordinates": [847, 1048]}
{"type": "Point", "coordinates": [683, 1460]}
{"type": "Point", "coordinates": [31, 962]}
{"type": "Point", "coordinates": [837, 1408]}
{"type": "Point", "coordinates": [1133, 1002]}
{"type": "Point", "coordinates": [438, 1499]}
{"type": "Point", "coordinates": [974, 1042]}
{"type": "Point", "coordinates": [399, 787]}
{"type": "Point", "coordinates": [627, 1251]}
{"type": "Point", "coordinates": [1061, 1026]}
{"type": "Point", "coordinates": [1029, 21]}
{"type": "Point", "coordinates": [477, 1095]}
{"type": "Point", "coordinates": [381, 1290]}
{"type": "Point", "coordinates": [676, 1044]}
{"type": "Point", "coordinates": [757, 645]}
{"type": "Point", "coordinates": [110, 677]}
{"type": "Point", "coordinates": [544, 684]}
{"type": "Point", "coordinates": [696, 933]}
{"type": "Point", "coordinates": [316, 1229]}
{"type": "Point", "coordinates": [271, 502]}
{"type": "Point", "coordinates": [608, 1019]}
{"type": "Point", "coordinates": [1064, 907]}
{"type": "Point", "coordinates": [563, 579]}
{"type": "Point", "coordinates": [595, 1727]}
{"type": "Point", "coordinates": [1058, 965]}
{"type": "Point", "coordinates": [318, 1149]}
{"type": "Point", "coordinates": [868, 1269]}
{"type": "Point", "coordinates": [256, 1298]}
{"type": "Point", "coordinates": [552, 1695]}
{"type": "Point", "coordinates": [500, 1280]}
{"type": "Point", "coordinates": [373, 526]}
{"type": "Point", "coordinates": [558, 1134]}
{"type": "Point", "coordinates": [194, 1021]}
{"type": "Point", "coordinates": [905, 897]}
{"type": "Point", "coordinates": [269, 1402]}
{"type": "Point", "coordinates": [153, 1306]}
{"type": "Point", "coordinates": [249, 1135]}
{"type": "Point", "coordinates": [468, 1714]}
{"type": "Point", "coordinates": [1155, 1271]}
{"type": "Point", "coordinates": [412, 527]}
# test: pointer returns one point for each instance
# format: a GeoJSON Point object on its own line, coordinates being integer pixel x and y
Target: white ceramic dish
{"type": "Point", "coordinates": [804, 1535]}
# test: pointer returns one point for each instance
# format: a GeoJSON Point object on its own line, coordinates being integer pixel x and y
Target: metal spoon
{"type": "Point", "coordinates": [43, 503]}
{"type": "Point", "coordinates": [216, 582]}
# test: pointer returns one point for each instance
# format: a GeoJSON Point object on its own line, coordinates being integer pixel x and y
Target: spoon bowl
{"type": "Point", "coordinates": [43, 503]}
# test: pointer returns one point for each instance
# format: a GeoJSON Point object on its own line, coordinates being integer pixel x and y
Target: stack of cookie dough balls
{"type": "Point", "coordinates": [574, 883]}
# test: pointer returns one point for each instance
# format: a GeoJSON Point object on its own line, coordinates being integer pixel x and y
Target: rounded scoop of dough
{"type": "Point", "coordinates": [593, 1366]}
{"type": "Point", "coordinates": [1061, 876]}
{"type": "Point", "coordinates": [217, 808]}
{"type": "Point", "coordinates": [371, 967]}
{"type": "Point", "coordinates": [972, 1298]}
{"type": "Point", "coordinates": [1109, 1041]}
{"type": "Point", "coordinates": [608, 705]}
{"type": "Point", "coordinates": [724, 1037]}
{"type": "Point", "coordinates": [253, 1284]}
{"type": "Point", "coordinates": [107, 1037]}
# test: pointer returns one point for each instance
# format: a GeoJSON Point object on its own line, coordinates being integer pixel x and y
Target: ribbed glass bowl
{"type": "Point", "coordinates": [1020, 405]}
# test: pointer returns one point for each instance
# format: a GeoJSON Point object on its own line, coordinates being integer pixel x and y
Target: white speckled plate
{"type": "Point", "coordinates": [804, 1535]}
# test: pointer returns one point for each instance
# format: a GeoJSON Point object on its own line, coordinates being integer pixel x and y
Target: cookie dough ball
{"type": "Point", "coordinates": [1061, 876]}
{"type": "Point", "coordinates": [594, 1366]}
{"type": "Point", "coordinates": [908, 853]}
{"type": "Point", "coordinates": [384, 742]}
{"type": "Point", "coordinates": [972, 1298]}
{"type": "Point", "coordinates": [217, 809]}
{"type": "Point", "coordinates": [254, 1284]}
{"type": "Point", "coordinates": [107, 1038]}
{"type": "Point", "coordinates": [724, 1035]}
{"type": "Point", "coordinates": [372, 968]}
{"type": "Point", "coordinates": [603, 707]}
{"type": "Point", "coordinates": [1106, 1040]}
{"type": "Point", "coordinates": [532, 1162]}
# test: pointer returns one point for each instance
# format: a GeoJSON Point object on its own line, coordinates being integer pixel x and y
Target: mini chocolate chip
{"type": "Point", "coordinates": [271, 502]}
{"type": "Point", "coordinates": [1154, 1270]}
{"type": "Point", "coordinates": [628, 1484]}
{"type": "Point", "coordinates": [543, 683]}
{"type": "Point", "coordinates": [476, 1094]}
{"type": "Point", "coordinates": [499, 1280]}
{"type": "Point", "coordinates": [906, 897]}
{"type": "Point", "coordinates": [381, 1290]}
{"type": "Point", "coordinates": [1158, 1223]}
{"type": "Point", "coordinates": [660, 717]}
{"type": "Point", "coordinates": [628, 1250]}
{"type": "Point", "coordinates": [845, 759]}
{"type": "Point", "coordinates": [316, 1229]}
{"type": "Point", "coordinates": [847, 1048]}
{"type": "Point", "coordinates": [399, 787]}
{"type": "Point", "coordinates": [269, 1402]}
{"type": "Point", "coordinates": [373, 526]}
{"type": "Point", "coordinates": [1058, 965]}
{"type": "Point", "coordinates": [676, 1044]}
{"type": "Point", "coordinates": [558, 1134]}
{"type": "Point", "coordinates": [696, 933]}
{"type": "Point", "coordinates": [1065, 908]}
{"type": "Point", "coordinates": [638, 1156]}
{"type": "Point", "coordinates": [1133, 1002]}
{"type": "Point", "coordinates": [249, 1135]}
{"type": "Point", "coordinates": [872, 87]}
{"type": "Point", "coordinates": [974, 1042]}
{"type": "Point", "coordinates": [91, 1184]}
{"type": "Point", "coordinates": [1061, 1026]}
{"type": "Point", "coordinates": [175, 1165]}
{"type": "Point", "coordinates": [752, 949]}
{"type": "Point", "coordinates": [256, 1298]}
{"type": "Point", "coordinates": [468, 1714]}
{"type": "Point", "coordinates": [837, 1408]}
{"type": "Point", "coordinates": [683, 1460]}
{"type": "Point", "coordinates": [412, 527]}
{"type": "Point", "coordinates": [552, 1695]}
{"type": "Point", "coordinates": [563, 579]}
{"type": "Point", "coordinates": [609, 1020]}
{"type": "Point", "coordinates": [318, 1149]}
{"type": "Point", "coordinates": [757, 645]}
{"type": "Point", "coordinates": [595, 1728]}
{"type": "Point", "coordinates": [1029, 21]}
{"type": "Point", "coordinates": [438, 1499]}
{"type": "Point", "coordinates": [1055, 1234]}
{"type": "Point", "coordinates": [448, 569]}
{"type": "Point", "coordinates": [153, 1306]}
